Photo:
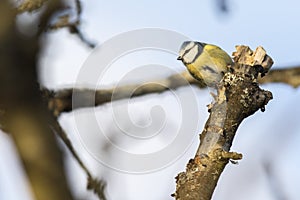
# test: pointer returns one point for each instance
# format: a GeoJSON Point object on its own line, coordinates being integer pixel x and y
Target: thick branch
{"type": "Point", "coordinates": [239, 96]}
{"type": "Point", "coordinates": [61, 101]}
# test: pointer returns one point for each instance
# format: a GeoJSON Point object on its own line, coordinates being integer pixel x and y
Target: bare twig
{"type": "Point", "coordinates": [64, 21]}
{"type": "Point", "coordinates": [94, 184]}
{"type": "Point", "coordinates": [61, 21]}
{"type": "Point", "coordinates": [78, 7]}
{"type": "Point", "coordinates": [239, 96]}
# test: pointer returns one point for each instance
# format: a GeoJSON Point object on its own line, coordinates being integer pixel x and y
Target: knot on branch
{"type": "Point", "coordinates": [220, 154]}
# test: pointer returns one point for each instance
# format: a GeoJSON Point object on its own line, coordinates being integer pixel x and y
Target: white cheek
{"type": "Point", "coordinates": [186, 48]}
{"type": "Point", "coordinates": [190, 56]}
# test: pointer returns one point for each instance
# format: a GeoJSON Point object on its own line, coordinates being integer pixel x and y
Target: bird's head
{"type": "Point", "coordinates": [189, 51]}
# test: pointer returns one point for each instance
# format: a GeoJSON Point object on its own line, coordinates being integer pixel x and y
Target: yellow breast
{"type": "Point", "coordinates": [210, 65]}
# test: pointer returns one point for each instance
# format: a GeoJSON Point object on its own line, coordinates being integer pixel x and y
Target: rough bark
{"type": "Point", "coordinates": [238, 97]}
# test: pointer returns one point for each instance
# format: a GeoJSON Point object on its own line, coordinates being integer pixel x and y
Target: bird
{"type": "Point", "coordinates": [205, 62]}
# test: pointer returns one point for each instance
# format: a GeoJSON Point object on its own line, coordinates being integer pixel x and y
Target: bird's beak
{"type": "Point", "coordinates": [179, 58]}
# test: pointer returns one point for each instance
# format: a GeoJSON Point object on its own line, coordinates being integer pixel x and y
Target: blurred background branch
{"type": "Point", "coordinates": [73, 25]}
{"type": "Point", "coordinates": [286, 75]}
{"type": "Point", "coordinates": [24, 113]}
{"type": "Point", "coordinates": [274, 182]}
{"type": "Point", "coordinates": [223, 6]}
{"type": "Point", "coordinates": [62, 100]}
{"type": "Point", "coordinates": [30, 5]}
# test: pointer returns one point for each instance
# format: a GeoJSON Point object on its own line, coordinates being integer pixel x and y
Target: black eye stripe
{"type": "Point", "coordinates": [200, 47]}
{"type": "Point", "coordinates": [200, 50]}
{"type": "Point", "coordinates": [188, 50]}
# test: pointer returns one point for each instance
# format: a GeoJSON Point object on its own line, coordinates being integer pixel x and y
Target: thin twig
{"type": "Point", "coordinates": [78, 7]}
{"type": "Point", "coordinates": [64, 21]}
{"type": "Point", "coordinates": [94, 184]}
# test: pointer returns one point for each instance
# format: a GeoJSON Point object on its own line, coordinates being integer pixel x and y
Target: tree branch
{"type": "Point", "coordinates": [61, 100]}
{"type": "Point", "coordinates": [290, 76]}
{"type": "Point", "coordinates": [239, 96]}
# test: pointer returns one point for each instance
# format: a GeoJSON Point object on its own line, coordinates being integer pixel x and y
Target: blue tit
{"type": "Point", "coordinates": [205, 62]}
